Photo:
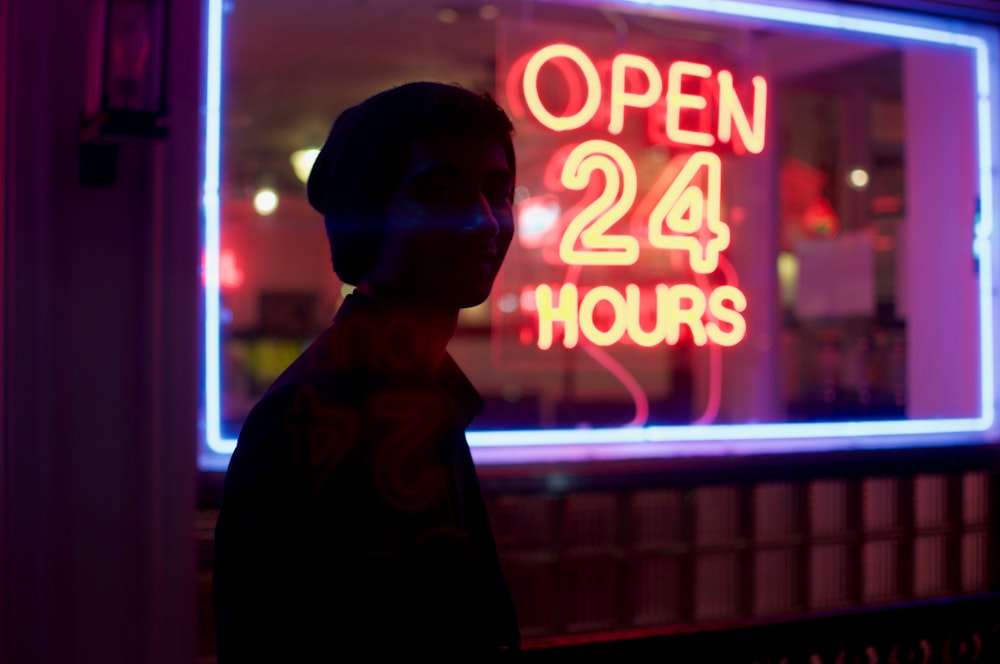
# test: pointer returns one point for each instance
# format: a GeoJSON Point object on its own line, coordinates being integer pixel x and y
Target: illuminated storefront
{"type": "Point", "coordinates": [742, 227]}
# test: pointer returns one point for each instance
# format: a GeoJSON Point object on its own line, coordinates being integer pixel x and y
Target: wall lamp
{"type": "Point", "coordinates": [125, 95]}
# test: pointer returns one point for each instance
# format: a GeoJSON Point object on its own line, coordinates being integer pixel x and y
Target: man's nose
{"type": "Point", "coordinates": [483, 221]}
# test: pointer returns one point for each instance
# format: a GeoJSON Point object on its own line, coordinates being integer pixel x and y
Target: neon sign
{"type": "Point", "coordinates": [750, 128]}
{"type": "Point", "coordinates": [681, 305]}
{"type": "Point", "coordinates": [683, 215]}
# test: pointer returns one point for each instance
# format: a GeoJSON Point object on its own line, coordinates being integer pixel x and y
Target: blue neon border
{"type": "Point", "coordinates": [684, 440]}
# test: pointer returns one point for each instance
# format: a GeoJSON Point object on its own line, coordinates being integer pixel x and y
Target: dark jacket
{"type": "Point", "coordinates": [352, 519]}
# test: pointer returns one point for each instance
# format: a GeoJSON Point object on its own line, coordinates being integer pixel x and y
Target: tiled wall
{"type": "Point", "coordinates": [636, 556]}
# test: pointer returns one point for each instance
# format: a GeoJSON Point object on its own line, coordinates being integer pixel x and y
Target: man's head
{"type": "Point", "coordinates": [415, 187]}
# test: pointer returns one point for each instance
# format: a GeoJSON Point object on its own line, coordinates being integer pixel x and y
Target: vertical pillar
{"type": "Point", "coordinates": [937, 280]}
{"type": "Point", "coordinates": [751, 389]}
{"type": "Point", "coordinates": [100, 358]}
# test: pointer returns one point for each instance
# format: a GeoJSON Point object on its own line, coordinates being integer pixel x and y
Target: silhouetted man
{"type": "Point", "coordinates": [352, 523]}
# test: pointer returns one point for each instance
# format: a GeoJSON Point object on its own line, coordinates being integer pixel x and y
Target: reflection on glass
{"type": "Point", "coordinates": [835, 174]}
{"type": "Point", "coordinates": [842, 322]}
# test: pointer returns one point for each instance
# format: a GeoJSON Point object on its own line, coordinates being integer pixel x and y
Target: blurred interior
{"type": "Point", "coordinates": [854, 298]}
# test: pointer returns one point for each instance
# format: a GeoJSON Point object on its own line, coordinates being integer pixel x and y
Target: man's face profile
{"type": "Point", "coordinates": [448, 224]}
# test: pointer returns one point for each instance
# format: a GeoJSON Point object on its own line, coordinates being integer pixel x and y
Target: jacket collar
{"type": "Point", "coordinates": [366, 341]}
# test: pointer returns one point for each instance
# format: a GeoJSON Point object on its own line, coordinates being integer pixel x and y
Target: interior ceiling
{"type": "Point", "coordinates": [290, 68]}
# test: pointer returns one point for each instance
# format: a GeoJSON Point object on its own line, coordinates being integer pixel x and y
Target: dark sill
{"type": "Point", "coordinates": [943, 623]}
{"type": "Point", "coordinates": [690, 471]}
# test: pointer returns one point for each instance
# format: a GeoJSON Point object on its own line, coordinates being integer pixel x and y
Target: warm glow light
{"type": "Point", "coordinates": [302, 162]}
{"type": "Point", "coordinates": [489, 12]}
{"type": "Point", "coordinates": [265, 202]}
{"type": "Point", "coordinates": [676, 307]}
{"type": "Point", "coordinates": [689, 304]}
{"type": "Point", "coordinates": [661, 323]}
{"type": "Point", "coordinates": [562, 310]}
{"type": "Point", "coordinates": [731, 113]}
{"type": "Point", "coordinates": [750, 128]}
{"type": "Point", "coordinates": [683, 207]}
{"type": "Point", "coordinates": [858, 178]}
{"type": "Point", "coordinates": [534, 100]}
{"type": "Point", "coordinates": [788, 277]}
{"type": "Point", "coordinates": [620, 98]}
{"type": "Point", "coordinates": [717, 306]}
{"type": "Point", "coordinates": [446, 15]}
{"type": "Point", "coordinates": [678, 101]}
{"type": "Point", "coordinates": [590, 224]}
{"type": "Point", "coordinates": [588, 306]}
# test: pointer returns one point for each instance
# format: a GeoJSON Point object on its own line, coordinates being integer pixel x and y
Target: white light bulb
{"type": "Point", "coordinates": [265, 202]}
{"type": "Point", "coordinates": [858, 178]}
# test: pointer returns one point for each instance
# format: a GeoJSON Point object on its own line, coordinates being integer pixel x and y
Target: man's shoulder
{"type": "Point", "coordinates": [317, 359]}
{"type": "Point", "coordinates": [305, 398]}
{"type": "Point", "coordinates": [292, 425]}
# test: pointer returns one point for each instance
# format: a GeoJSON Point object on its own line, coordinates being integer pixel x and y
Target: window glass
{"type": "Point", "coordinates": [719, 220]}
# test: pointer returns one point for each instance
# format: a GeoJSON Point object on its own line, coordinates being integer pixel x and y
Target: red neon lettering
{"type": "Point", "coordinates": [730, 315]}
{"type": "Point", "coordinates": [635, 331]}
{"type": "Point", "coordinates": [682, 209]}
{"type": "Point", "coordinates": [626, 70]}
{"type": "Point", "coordinates": [619, 320]}
{"type": "Point", "coordinates": [592, 222]}
{"type": "Point", "coordinates": [620, 98]}
{"type": "Point", "coordinates": [516, 75]}
{"type": "Point", "coordinates": [534, 100]}
{"type": "Point", "coordinates": [678, 101]}
{"type": "Point", "coordinates": [564, 312]}
{"type": "Point", "coordinates": [676, 306]}
{"type": "Point", "coordinates": [688, 304]}
{"type": "Point", "coordinates": [731, 113]}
